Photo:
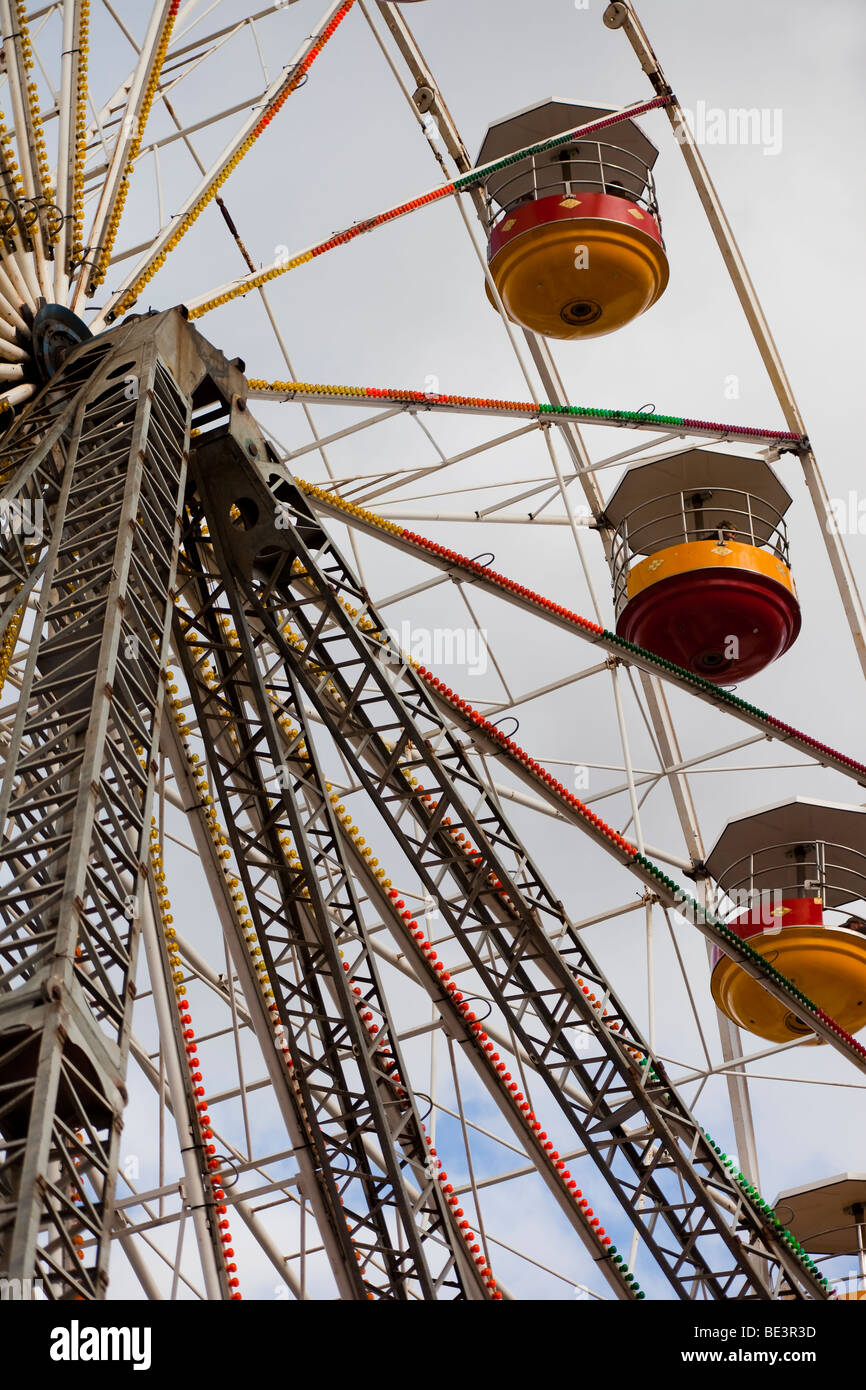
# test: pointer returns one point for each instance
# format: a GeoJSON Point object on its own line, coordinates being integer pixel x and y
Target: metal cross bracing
{"type": "Point", "coordinates": [520, 1116]}
{"type": "Point", "coordinates": [76, 797]}
{"type": "Point", "coordinates": [332, 1054]}
{"type": "Point", "coordinates": [335, 1154]}
{"type": "Point", "coordinates": [390, 732]}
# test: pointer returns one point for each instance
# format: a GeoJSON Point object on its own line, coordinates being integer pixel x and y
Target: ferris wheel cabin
{"type": "Point", "coordinates": [828, 1218]}
{"type": "Point", "coordinates": [700, 563]}
{"type": "Point", "coordinates": [785, 869]}
{"type": "Point", "coordinates": [574, 238]}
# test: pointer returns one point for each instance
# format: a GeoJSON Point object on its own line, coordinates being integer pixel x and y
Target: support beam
{"type": "Point", "coordinates": [76, 804]}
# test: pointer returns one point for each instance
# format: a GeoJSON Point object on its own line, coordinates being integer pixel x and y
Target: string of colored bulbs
{"type": "Point", "coordinates": [213, 300]}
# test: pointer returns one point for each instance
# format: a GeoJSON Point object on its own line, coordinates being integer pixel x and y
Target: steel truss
{"type": "Point", "coordinates": [302, 915]}
{"type": "Point", "coordinates": [77, 792]}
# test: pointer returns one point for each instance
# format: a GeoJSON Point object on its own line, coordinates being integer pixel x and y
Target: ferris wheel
{"type": "Point", "coordinates": [363, 933]}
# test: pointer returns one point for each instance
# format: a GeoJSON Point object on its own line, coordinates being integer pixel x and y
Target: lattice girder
{"type": "Point", "coordinates": [110, 473]}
